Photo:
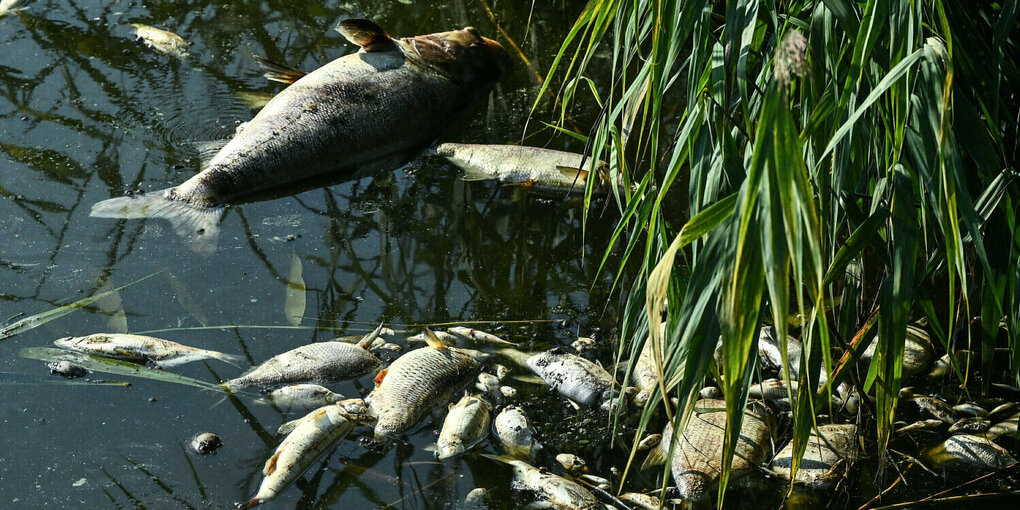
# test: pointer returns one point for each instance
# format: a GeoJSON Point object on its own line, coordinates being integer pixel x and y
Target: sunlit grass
{"type": "Point", "coordinates": [850, 164]}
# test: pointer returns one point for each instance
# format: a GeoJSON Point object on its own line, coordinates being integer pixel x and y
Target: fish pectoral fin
{"type": "Point", "coordinates": [522, 184]}
{"type": "Point", "coordinates": [270, 466]}
{"type": "Point", "coordinates": [380, 376]}
{"type": "Point", "coordinates": [366, 34]}
{"type": "Point", "coordinates": [573, 173]}
{"type": "Point", "coordinates": [275, 71]}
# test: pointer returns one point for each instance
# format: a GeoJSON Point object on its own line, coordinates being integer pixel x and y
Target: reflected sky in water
{"type": "Point", "coordinates": [87, 113]}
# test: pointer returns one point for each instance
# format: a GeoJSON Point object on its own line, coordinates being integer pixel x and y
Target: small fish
{"type": "Point", "coordinates": [524, 166]}
{"type": "Point", "coordinates": [67, 369]}
{"type": "Point", "coordinates": [205, 443]}
{"type": "Point", "coordinates": [514, 431]}
{"type": "Point", "coordinates": [161, 40]}
{"type": "Point", "coordinates": [476, 498]}
{"type": "Point", "coordinates": [417, 383]}
{"type": "Point", "coordinates": [829, 452]}
{"type": "Point", "coordinates": [640, 501]}
{"type": "Point", "coordinates": [710, 392]}
{"type": "Point", "coordinates": [583, 344]}
{"type": "Point", "coordinates": [312, 436]}
{"type": "Point", "coordinates": [969, 409]}
{"type": "Point", "coordinates": [501, 371]}
{"type": "Point", "coordinates": [920, 425]}
{"type": "Point", "coordinates": [319, 362]}
{"type": "Point", "coordinates": [488, 383]}
{"type": "Point", "coordinates": [969, 453]}
{"type": "Point", "coordinates": [550, 490]}
{"type": "Point", "coordinates": [508, 391]}
{"type": "Point", "coordinates": [465, 425]}
{"type": "Point", "coordinates": [308, 396]}
{"type": "Point", "coordinates": [574, 377]}
{"type": "Point", "coordinates": [646, 376]}
{"type": "Point", "coordinates": [479, 336]}
{"type": "Point", "coordinates": [971, 425]}
{"type": "Point", "coordinates": [574, 465]}
{"type": "Point", "coordinates": [141, 349]}
{"type": "Point", "coordinates": [649, 442]}
{"type": "Point", "coordinates": [935, 407]}
{"type": "Point", "coordinates": [771, 389]}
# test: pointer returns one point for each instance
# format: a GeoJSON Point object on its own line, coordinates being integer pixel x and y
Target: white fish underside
{"type": "Point", "coordinates": [574, 377]}
{"type": "Point", "coordinates": [518, 164]}
{"type": "Point", "coordinates": [465, 425]}
{"type": "Point", "coordinates": [141, 348]}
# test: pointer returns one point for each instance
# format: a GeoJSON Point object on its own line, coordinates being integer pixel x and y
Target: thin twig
{"type": "Point", "coordinates": [886, 491]}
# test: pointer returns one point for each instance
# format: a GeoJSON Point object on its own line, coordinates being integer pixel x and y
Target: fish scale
{"type": "Point", "coordinates": [416, 383]}
{"type": "Point", "coordinates": [320, 362]}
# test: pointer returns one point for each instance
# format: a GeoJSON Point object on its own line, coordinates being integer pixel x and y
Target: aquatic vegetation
{"type": "Point", "coordinates": [821, 173]}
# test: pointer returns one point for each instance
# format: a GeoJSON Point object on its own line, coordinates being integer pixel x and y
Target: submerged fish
{"type": "Point", "coordinates": [312, 436]}
{"type": "Point", "coordinates": [827, 456]}
{"type": "Point", "coordinates": [161, 40]}
{"type": "Point", "coordinates": [383, 102]}
{"type": "Point", "coordinates": [140, 348]}
{"type": "Point", "coordinates": [303, 396]}
{"type": "Point", "coordinates": [697, 458]}
{"type": "Point", "coordinates": [523, 166]}
{"type": "Point", "coordinates": [514, 431]}
{"type": "Point", "coordinates": [574, 377]}
{"type": "Point", "coordinates": [319, 362]}
{"type": "Point", "coordinates": [417, 383]}
{"type": "Point", "coordinates": [465, 425]}
{"type": "Point", "coordinates": [550, 490]}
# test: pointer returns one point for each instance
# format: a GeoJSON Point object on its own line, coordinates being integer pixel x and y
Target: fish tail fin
{"type": "Point", "coordinates": [199, 227]}
{"type": "Point", "coordinates": [366, 341]}
{"type": "Point", "coordinates": [505, 459]}
{"type": "Point", "coordinates": [242, 505]}
{"type": "Point", "coordinates": [231, 359]}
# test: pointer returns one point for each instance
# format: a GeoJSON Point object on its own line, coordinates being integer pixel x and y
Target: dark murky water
{"type": "Point", "coordinates": [86, 113]}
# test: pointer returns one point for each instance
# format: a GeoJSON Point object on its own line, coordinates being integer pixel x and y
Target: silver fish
{"type": "Point", "coordinates": [417, 383]}
{"type": "Point", "coordinates": [971, 425]}
{"type": "Point", "coordinates": [574, 377]}
{"type": "Point", "coordinates": [313, 435]}
{"type": "Point", "coordinates": [829, 452]}
{"type": "Point", "coordinates": [479, 335]}
{"type": "Point", "coordinates": [967, 452]}
{"type": "Point", "coordinates": [553, 491]}
{"type": "Point", "coordinates": [375, 105]}
{"type": "Point", "coordinates": [465, 425]}
{"type": "Point", "coordinates": [919, 425]}
{"type": "Point", "coordinates": [697, 458]}
{"type": "Point", "coordinates": [319, 362]}
{"type": "Point", "coordinates": [514, 431]}
{"type": "Point", "coordinates": [303, 396]}
{"type": "Point", "coordinates": [523, 166]}
{"type": "Point", "coordinates": [161, 40]}
{"type": "Point", "coordinates": [141, 349]}
{"type": "Point", "coordinates": [488, 383]}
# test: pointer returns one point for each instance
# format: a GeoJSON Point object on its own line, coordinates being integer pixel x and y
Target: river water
{"type": "Point", "coordinates": [87, 113]}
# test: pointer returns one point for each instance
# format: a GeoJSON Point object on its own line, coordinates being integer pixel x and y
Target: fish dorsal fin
{"type": "Point", "coordinates": [573, 173]}
{"type": "Point", "coordinates": [276, 71]}
{"type": "Point", "coordinates": [366, 341]}
{"type": "Point", "coordinates": [380, 376]}
{"type": "Point", "coordinates": [366, 34]}
{"type": "Point", "coordinates": [433, 340]}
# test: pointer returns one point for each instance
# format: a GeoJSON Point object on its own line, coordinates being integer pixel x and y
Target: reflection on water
{"type": "Point", "coordinates": [87, 113]}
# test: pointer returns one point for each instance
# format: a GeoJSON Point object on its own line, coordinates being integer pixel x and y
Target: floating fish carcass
{"type": "Point", "coordinates": [417, 383]}
{"type": "Point", "coordinates": [968, 453]}
{"type": "Point", "coordinates": [163, 41]}
{"type": "Point", "coordinates": [465, 425]}
{"type": "Point", "coordinates": [514, 430]}
{"type": "Point", "coordinates": [524, 166]}
{"type": "Point", "coordinates": [646, 376]}
{"type": "Point", "coordinates": [303, 396]}
{"type": "Point", "coordinates": [830, 450]}
{"type": "Point", "coordinates": [319, 362]}
{"type": "Point", "coordinates": [574, 377]}
{"type": "Point", "coordinates": [550, 490]}
{"type": "Point", "coordinates": [311, 436]}
{"type": "Point", "coordinates": [141, 349]}
{"type": "Point", "coordinates": [380, 103]}
{"type": "Point", "coordinates": [697, 458]}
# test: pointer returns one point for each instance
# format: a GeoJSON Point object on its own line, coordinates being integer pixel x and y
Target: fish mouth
{"type": "Point", "coordinates": [497, 49]}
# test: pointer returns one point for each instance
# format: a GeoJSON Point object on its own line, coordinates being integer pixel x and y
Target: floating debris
{"type": "Point", "coordinates": [205, 443]}
{"type": "Point", "coordinates": [138, 348]}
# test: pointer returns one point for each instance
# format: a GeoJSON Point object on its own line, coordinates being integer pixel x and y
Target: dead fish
{"type": "Point", "coordinates": [972, 425]}
{"type": "Point", "coordinates": [916, 351]}
{"type": "Point", "coordinates": [649, 442]}
{"type": "Point", "coordinates": [479, 336]}
{"type": "Point", "coordinates": [465, 425]}
{"type": "Point", "coordinates": [501, 371]}
{"type": "Point", "coordinates": [920, 425]}
{"type": "Point", "coordinates": [353, 409]}
{"type": "Point", "coordinates": [488, 383]}
{"type": "Point", "coordinates": [772, 389]}
{"type": "Point", "coordinates": [697, 458]}
{"type": "Point", "coordinates": [417, 383]}
{"type": "Point", "coordinates": [319, 362]}
{"type": "Point", "coordinates": [161, 40]}
{"type": "Point", "coordinates": [513, 429]}
{"type": "Point", "coordinates": [583, 344]}
{"type": "Point", "coordinates": [645, 376]}
{"type": "Point", "coordinates": [771, 352]}
{"type": "Point", "coordinates": [574, 377]}
{"type": "Point", "coordinates": [508, 391]}
{"type": "Point", "coordinates": [935, 407]}
{"type": "Point", "coordinates": [312, 436]}
{"type": "Point", "coordinates": [476, 498]}
{"type": "Point", "coordinates": [965, 452]}
{"type": "Point", "coordinates": [9, 6]}
{"type": "Point", "coordinates": [830, 450]}
{"type": "Point", "coordinates": [641, 501]}
{"type": "Point", "coordinates": [524, 166]}
{"type": "Point", "coordinates": [141, 349]}
{"type": "Point", "coordinates": [550, 490]}
{"type": "Point", "coordinates": [378, 104]}
{"type": "Point", "coordinates": [306, 396]}
{"type": "Point", "coordinates": [969, 409]}
{"type": "Point", "coordinates": [574, 465]}
{"type": "Point", "coordinates": [67, 369]}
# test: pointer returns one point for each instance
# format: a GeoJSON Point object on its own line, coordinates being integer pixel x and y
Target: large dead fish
{"type": "Point", "coordinates": [390, 98]}
{"type": "Point", "coordinates": [830, 450]}
{"type": "Point", "coordinates": [697, 458]}
{"type": "Point", "coordinates": [465, 425]}
{"type": "Point", "coordinates": [524, 166]}
{"type": "Point", "coordinates": [311, 436]}
{"type": "Point", "coordinates": [142, 349]}
{"type": "Point", "coordinates": [968, 453]}
{"type": "Point", "coordinates": [573, 377]}
{"type": "Point", "coordinates": [417, 383]}
{"type": "Point", "coordinates": [320, 362]}
{"type": "Point", "coordinates": [550, 490]}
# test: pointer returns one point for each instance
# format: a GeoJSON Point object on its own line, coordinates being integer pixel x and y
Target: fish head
{"type": "Point", "coordinates": [463, 55]}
